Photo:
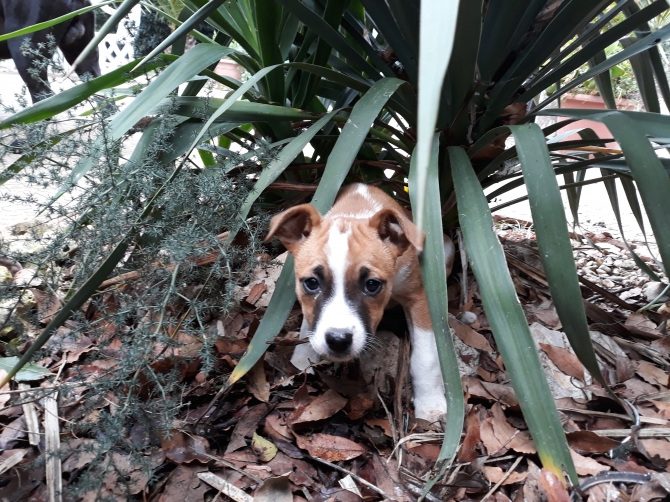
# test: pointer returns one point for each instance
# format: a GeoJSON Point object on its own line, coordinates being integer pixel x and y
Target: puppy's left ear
{"type": "Point", "coordinates": [293, 226]}
{"type": "Point", "coordinates": [396, 230]}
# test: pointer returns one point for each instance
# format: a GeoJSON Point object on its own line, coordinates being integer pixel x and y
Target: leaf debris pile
{"type": "Point", "coordinates": [339, 432]}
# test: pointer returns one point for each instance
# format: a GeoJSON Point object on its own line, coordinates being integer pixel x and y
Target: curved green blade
{"type": "Point", "coordinates": [434, 275]}
{"type": "Point", "coordinates": [553, 242]}
{"type": "Point", "coordinates": [507, 319]}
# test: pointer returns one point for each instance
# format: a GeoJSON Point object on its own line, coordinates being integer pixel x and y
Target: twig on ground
{"type": "Point", "coordinates": [354, 476]}
{"type": "Point", "coordinates": [225, 487]}
{"type": "Point", "coordinates": [502, 480]}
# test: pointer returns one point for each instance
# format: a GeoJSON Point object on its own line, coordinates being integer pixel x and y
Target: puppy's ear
{"type": "Point", "coordinates": [396, 230]}
{"type": "Point", "coordinates": [294, 225]}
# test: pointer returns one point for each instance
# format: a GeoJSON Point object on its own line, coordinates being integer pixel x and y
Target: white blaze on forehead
{"type": "Point", "coordinates": [364, 192]}
{"type": "Point", "coordinates": [337, 314]}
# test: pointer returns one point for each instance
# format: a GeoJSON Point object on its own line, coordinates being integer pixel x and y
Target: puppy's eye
{"type": "Point", "coordinates": [372, 286]}
{"type": "Point", "coordinates": [311, 285]}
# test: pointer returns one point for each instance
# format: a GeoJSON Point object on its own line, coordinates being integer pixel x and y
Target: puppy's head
{"type": "Point", "coordinates": [344, 270]}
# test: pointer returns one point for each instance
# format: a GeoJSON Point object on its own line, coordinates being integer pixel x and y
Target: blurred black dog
{"type": "Point", "coordinates": [71, 37]}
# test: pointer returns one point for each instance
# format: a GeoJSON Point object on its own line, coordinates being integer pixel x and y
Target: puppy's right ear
{"type": "Point", "coordinates": [293, 226]}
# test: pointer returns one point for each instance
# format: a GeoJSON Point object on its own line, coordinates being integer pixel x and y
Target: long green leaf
{"type": "Point", "coordinates": [192, 22]}
{"type": "Point", "coordinates": [438, 28]}
{"type": "Point", "coordinates": [553, 241]}
{"type": "Point", "coordinates": [53, 22]}
{"type": "Point", "coordinates": [109, 25]}
{"type": "Point", "coordinates": [339, 162]}
{"type": "Point", "coordinates": [507, 320]}
{"type": "Point", "coordinates": [434, 274]}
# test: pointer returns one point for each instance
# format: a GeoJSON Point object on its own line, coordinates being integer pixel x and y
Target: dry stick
{"type": "Point", "coordinates": [502, 480]}
{"type": "Point", "coordinates": [389, 417]}
{"type": "Point", "coordinates": [30, 415]}
{"type": "Point", "coordinates": [357, 478]}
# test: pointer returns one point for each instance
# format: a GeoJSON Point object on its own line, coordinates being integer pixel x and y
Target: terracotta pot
{"type": "Point", "coordinates": [228, 68]}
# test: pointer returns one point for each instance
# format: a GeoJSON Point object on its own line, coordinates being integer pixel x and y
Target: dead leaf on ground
{"type": "Point", "coordinates": [564, 360]}
{"type": "Point", "coordinates": [257, 382]}
{"type": "Point", "coordinates": [184, 449]}
{"type": "Point", "coordinates": [246, 426]}
{"type": "Point", "coordinates": [494, 474]}
{"type": "Point", "coordinates": [590, 442]}
{"type": "Point", "coordinates": [265, 450]}
{"type": "Point", "coordinates": [330, 448]}
{"type": "Point", "coordinates": [358, 406]}
{"type": "Point", "coordinates": [491, 391]}
{"type": "Point", "coordinates": [657, 447]}
{"type": "Point", "coordinates": [320, 408]}
{"type": "Point", "coordinates": [469, 336]}
{"type": "Point", "coordinates": [499, 436]}
{"type": "Point", "coordinates": [183, 485]}
{"type": "Point", "coordinates": [276, 489]}
{"type": "Point", "coordinates": [381, 422]}
{"type": "Point", "coordinates": [652, 373]}
{"type": "Point", "coordinates": [468, 451]}
{"type": "Point", "coordinates": [553, 488]}
{"type": "Point", "coordinates": [587, 466]}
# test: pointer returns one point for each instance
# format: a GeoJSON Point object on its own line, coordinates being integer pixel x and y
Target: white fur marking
{"type": "Point", "coordinates": [429, 400]}
{"type": "Point", "coordinates": [337, 314]}
{"type": "Point", "coordinates": [364, 192]}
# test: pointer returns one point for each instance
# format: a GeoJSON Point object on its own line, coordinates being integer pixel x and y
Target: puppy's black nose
{"type": "Point", "coordinates": [339, 341]}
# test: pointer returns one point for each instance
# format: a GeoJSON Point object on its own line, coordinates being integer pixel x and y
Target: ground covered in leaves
{"type": "Point", "coordinates": [343, 432]}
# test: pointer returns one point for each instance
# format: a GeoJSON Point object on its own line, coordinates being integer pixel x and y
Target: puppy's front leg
{"type": "Point", "coordinates": [429, 400]}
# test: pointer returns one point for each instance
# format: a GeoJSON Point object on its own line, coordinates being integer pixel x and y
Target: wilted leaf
{"type": "Point", "coordinates": [657, 447]}
{"type": "Point", "coordinates": [498, 435]}
{"type": "Point", "coordinates": [274, 490]}
{"type": "Point", "coordinates": [183, 485]}
{"type": "Point", "coordinates": [491, 391]}
{"type": "Point", "coordinates": [587, 466]}
{"type": "Point", "coordinates": [469, 336]}
{"type": "Point", "coordinates": [265, 450]}
{"type": "Point", "coordinates": [320, 408]}
{"type": "Point", "coordinates": [246, 426]}
{"type": "Point", "coordinates": [553, 488]}
{"type": "Point", "coordinates": [564, 360]}
{"type": "Point", "coordinates": [468, 451]}
{"type": "Point", "coordinates": [495, 474]}
{"type": "Point", "coordinates": [381, 422]}
{"type": "Point", "coordinates": [330, 448]}
{"type": "Point", "coordinates": [257, 382]}
{"type": "Point", "coordinates": [358, 406]}
{"type": "Point", "coordinates": [652, 374]}
{"type": "Point", "coordinates": [183, 449]}
{"type": "Point", "coordinates": [590, 442]}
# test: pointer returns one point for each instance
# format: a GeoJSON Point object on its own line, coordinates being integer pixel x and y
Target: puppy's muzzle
{"type": "Point", "coordinates": [339, 342]}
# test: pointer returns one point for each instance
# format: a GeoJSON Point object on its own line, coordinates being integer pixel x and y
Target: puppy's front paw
{"type": "Point", "coordinates": [431, 407]}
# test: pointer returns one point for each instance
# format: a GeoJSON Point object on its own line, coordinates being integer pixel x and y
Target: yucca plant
{"type": "Point", "coordinates": [430, 91]}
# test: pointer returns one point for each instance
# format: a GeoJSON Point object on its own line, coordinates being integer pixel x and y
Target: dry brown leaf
{"type": "Point", "coordinates": [587, 466]}
{"type": "Point", "coordinates": [256, 292]}
{"type": "Point", "coordinates": [381, 422]}
{"type": "Point", "coordinates": [553, 488]}
{"type": "Point", "coordinates": [564, 360]}
{"type": "Point", "coordinates": [652, 374]}
{"type": "Point", "coordinates": [330, 448]}
{"type": "Point", "coordinates": [468, 451]}
{"type": "Point", "coordinates": [274, 490]}
{"type": "Point", "coordinates": [183, 449]}
{"type": "Point", "coordinates": [320, 408]}
{"type": "Point", "coordinates": [657, 447]}
{"type": "Point", "coordinates": [499, 436]}
{"type": "Point", "coordinates": [358, 406]}
{"type": "Point", "coordinates": [590, 442]}
{"type": "Point", "coordinates": [663, 408]}
{"type": "Point", "coordinates": [469, 336]}
{"type": "Point", "coordinates": [257, 382]}
{"type": "Point", "coordinates": [276, 427]}
{"type": "Point", "coordinates": [642, 322]}
{"type": "Point", "coordinates": [495, 474]}
{"type": "Point", "coordinates": [246, 426]}
{"type": "Point", "coordinates": [491, 391]}
{"type": "Point", "coordinates": [646, 492]}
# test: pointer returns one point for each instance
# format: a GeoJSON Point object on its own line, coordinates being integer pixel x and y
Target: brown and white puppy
{"type": "Point", "coordinates": [349, 264]}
